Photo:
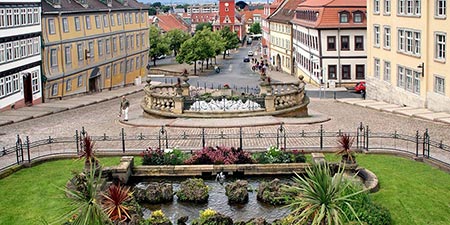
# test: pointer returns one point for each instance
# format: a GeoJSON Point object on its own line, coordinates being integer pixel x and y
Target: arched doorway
{"type": "Point", "coordinates": [94, 80]}
{"type": "Point", "coordinates": [27, 89]}
{"type": "Point", "coordinates": [278, 60]}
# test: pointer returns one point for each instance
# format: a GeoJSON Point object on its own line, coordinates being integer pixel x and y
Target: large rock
{"type": "Point", "coordinates": [270, 192]}
{"type": "Point", "coordinates": [153, 192]}
{"type": "Point", "coordinates": [193, 190]}
{"type": "Point", "coordinates": [257, 221]}
{"type": "Point", "coordinates": [237, 191]}
{"type": "Point", "coordinates": [217, 219]}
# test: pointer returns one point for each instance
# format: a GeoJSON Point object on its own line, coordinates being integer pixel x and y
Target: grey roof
{"type": "Point", "coordinates": [72, 6]}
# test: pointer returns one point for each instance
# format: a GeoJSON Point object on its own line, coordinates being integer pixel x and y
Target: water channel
{"type": "Point", "coordinates": [218, 201]}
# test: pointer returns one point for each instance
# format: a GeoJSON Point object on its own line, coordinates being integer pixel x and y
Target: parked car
{"type": "Point", "coordinates": [250, 53]}
{"type": "Point", "coordinates": [246, 59]}
{"type": "Point", "coordinates": [360, 86]}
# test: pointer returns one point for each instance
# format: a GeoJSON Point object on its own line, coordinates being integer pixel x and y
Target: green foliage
{"type": "Point", "coordinates": [159, 44]}
{"type": "Point", "coordinates": [158, 217]}
{"type": "Point", "coordinates": [165, 8]}
{"type": "Point", "coordinates": [318, 197]}
{"type": "Point", "coordinates": [276, 155]}
{"type": "Point", "coordinates": [193, 190]}
{"type": "Point", "coordinates": [160, 157]}
{"type": "Point", "coordinates": [157, 4]}
{"type": "Point", "coordinates": [255, 28]}
{"type": "Point", "coordinates": [176, 38]}
{"type": "Point", "coordinates": [201, 26]}
{"type": "Point", "coordinates": [230, 38]}
{"type": "Point", "coordinates": [152, 11]}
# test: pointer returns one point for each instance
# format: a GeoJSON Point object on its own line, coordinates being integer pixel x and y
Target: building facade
{"type": "Point", "coordinates": [203, 8]}
{"type": "Point", "coordinates": [20, 53]}
{"type": "Point", "coordinates": [91, 45]}
{"type": "Point", "coordinates": [407, 56]}
{"type": "Point", "coordinates": [228, 18]}
{"type": "Point", "coordinates": [281, 48]}
{"type": "Point", "coordinates": [329, 38]}
{"type": "Point", "coordinates": [265, 40]}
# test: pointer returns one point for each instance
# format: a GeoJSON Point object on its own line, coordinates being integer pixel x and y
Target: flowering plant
{"type": "Point", "coordinates": [226, 86]}
{"type": "Point", "coordinates": [220, 155]}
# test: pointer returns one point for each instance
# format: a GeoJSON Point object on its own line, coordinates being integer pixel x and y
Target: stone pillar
{"type": "Point", "coordinates": [186, 91]}
{"type": "Point", "coordinates": [124, 170]}
{"type": "Point", "coordinates": [269, 102]}
{"type": "Point", "coordinates": [178, 109]}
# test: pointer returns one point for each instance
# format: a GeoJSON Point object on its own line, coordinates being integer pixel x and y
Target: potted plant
{"type": "Point", "coordinates": [88, 153]}
{"type": "Point", "coordinates": [345, 142]}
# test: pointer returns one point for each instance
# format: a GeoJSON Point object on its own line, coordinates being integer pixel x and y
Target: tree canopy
{"type": "Point", "coordinates": [201, 26]}
{"type": "Point", "coordinates": [158, 43]}
{"type": "Point", "coordinates": [230, 38]}
{"type": "Point", "coordinates": [255, 28]}
{"type": "Point", "coordinates": [176, 38]}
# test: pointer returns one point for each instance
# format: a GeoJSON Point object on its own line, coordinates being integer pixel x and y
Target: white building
{"type": "Point", "coordinates": [329, 38]}
{"type": "Point", "coordinates": [20, 53]}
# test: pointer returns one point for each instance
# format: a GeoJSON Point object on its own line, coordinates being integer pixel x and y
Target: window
{"type": "Point", "coordinates": [387, 71]}
{"type": "Point", "coordinates": [51, 26]}
{"type": "Point", "coordinates": [387, 6]}
{"type": "Point", "coordinates": [376, 6]}
{"type": "Point", "coordinates": [9, 52]}
{"type": "Point", "coordinates": [346, 72]}
{"type": "Point", "coordinates": [108, 46]}
{"type": "Point", "coordinates": [23, 48]}
{"type": "Point", "coordinates": [30, 46]}
{"type": "Point", "coordinates": [409, 79]}
{"type": "Point", "coordinates": [331, 40]}
{"type": "Point", "coordinates": [9, 17]}
{"type": "Point", "coordinates": [80, 52]}
{"type": "Point", "coordinates": [68, 55]}
{"type": "Point", "coordinates": [132, 41]}
{"type": "Point", "coordinates": [53, 58]}
{"type": "Point", "coordinates": [137, 40]}
{"type": "Point", "coordinates": [119, 19]}
{"type": "Point", "coordinates": [77, 23]}
{"type": "Point", "coordinates": [409, 41]}
{"type": "Point", "coordinates": [91, 49]}
{"type": "Point", "coordinates": [114, 44]}
{"type": "Point", "coordinates": [88, 22]}
{"type": "Point", "coordinates": [332, 72]}
{"type": "Point", "coordinates": [15, 82]}
{"type": "Point", "coordinates": [69, 84]}
{"type": "Point", "coordinates": [125, 16]}
{"type": "Point", "coordinates": [54, 89]}
{"type": "Point", "coordinates": [36, 16]}
{"type": "Point", "coordinates": [16, 17]}
{"type": "Point", "coordinates": [441, 8]}
{"type": "Point", "coordinates": [138, 64]}
{"type": "Point", "coordinates": [23, 17]}
{"type": "Point", "coordinates": [36, 45]}
{"type": "Point", "coordinates": [130, 18]}
{"type": "Point", "coordinates": [376, 36]}
{"type": "Point", "coordinates": [100, 47]}
{"type": "Point", "coordinates": [359, 43]}
{"type": "Point", "coordinates": [2, 87]}
{"type": "Point", "coordinates": [357, 17]}
{"type": "Point", "coordinates": [439, 84]}
{"type": "Point", "coordinates": [30, 16]}
{"type": "Point", "coordinates": [2, 53]}
{"type": "Point", "coordinates": [35, 81]}
{"type": "Point", "coordinates": [439, 46]}
{"type": "Point", "coordinates": [108, 71]}
{"type": "Point", "coordinates": [105, 21]}
{"type": "Point", "coordinates": [360, 72]}
{"type": "Point", "coordinates": [8, 85]}
{"type": "Point", "coordinates": [416, 83]}
{"type": "Point", "coordinates": [121, 44]}
{"type": "Point", "coordinates": [345, 43]}
{"type": "Point", "coordinates": [97, 22]}
{"type": "Point", "coordinates": [387, 37]}
{"type": "Point", "coordinates": [16, 46]}
{"type": "Point", "coordinates": [80, 81]}
{"type": "Point", "coordinates": [409, 7]}
{"type": "Point", "coordinates": [65, 25]}
{"type": "Point", "coordinates": [113, 22]}
{"type": "Point", "coordinates": [122, 67]}
{"type": "Point", "coordinates": [376, 67]}
{"type": "Point", "coordinates": [343, 17]}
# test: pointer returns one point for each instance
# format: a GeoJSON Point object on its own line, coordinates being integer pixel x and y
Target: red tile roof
{"type": "Point", "coordinates": [328, 13]}
{"type": "Point", "coordinates": [285, 12]}
{"type": "Point", "coordinates": [169, 22]}
{"type": "Point", "coordinates": [250, 14]}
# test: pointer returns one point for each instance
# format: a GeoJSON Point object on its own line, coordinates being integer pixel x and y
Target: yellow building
{"type": "Point", "coordinates": [407, 53]}
{"type": "Point", "coordinates": [91, 45]}
{"type": "Point", "coordinates": [280, 29]}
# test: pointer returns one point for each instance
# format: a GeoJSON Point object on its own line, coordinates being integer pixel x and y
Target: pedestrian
{"type": "Point", "coordinates": [124, 105]}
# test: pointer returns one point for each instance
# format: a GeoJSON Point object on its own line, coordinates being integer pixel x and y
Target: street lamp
{"type": "Point", "coordinates": [422, 66]}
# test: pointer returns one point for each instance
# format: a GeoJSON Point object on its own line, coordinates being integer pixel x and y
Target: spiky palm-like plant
{"type": "Point", "coordinates": [317, 198]}
{"type": "Point", "coordinates": [345, 142]}
{"type": "Point", "coordinates": [114, 202]}
{"type": "Point", "coordinates": [88, 153]}
{"type": "Point", "coordinates": [87, 209]}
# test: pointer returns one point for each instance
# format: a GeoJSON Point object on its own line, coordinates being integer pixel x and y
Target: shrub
{"type": "Point", "coordinates": [159, 157]}
{"type": "Point", "coordinates": [298, 156]}
{"type": "Point", "coordinates": [274, 155]}
{"type": "Point", "coordinates": [175, 157]}
{"type": "Point", "coordinates": [158, 217]}
{"type": "Point", "coordinates": [211, 217]}
{"type": "Point", "coordinates": [220, 155]}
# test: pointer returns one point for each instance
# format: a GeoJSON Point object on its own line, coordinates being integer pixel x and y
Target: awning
{"type": "Point", "coordinates": [95, 73]}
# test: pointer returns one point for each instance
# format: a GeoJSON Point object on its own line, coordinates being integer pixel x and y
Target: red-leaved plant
{"type": "Point", "coordinates": [345, 142]}
{"type": "Point", "coordinates": [114, 202]}
{"type": "Point", "coordinates": [88, 153]}
{"type": "Point", "coordinates": [220, 155]}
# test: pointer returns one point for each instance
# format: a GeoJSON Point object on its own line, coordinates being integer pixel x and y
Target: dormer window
{"type": "Point", "coordinates": [343, 17]}
{"type": "Point", "coordinates": [358, 17]}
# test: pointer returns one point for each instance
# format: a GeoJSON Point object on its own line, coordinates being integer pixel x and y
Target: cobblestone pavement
{"type": "Point", "coordinates": [102, 118]}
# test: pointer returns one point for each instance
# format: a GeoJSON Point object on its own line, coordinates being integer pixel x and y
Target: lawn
{"type": "Point", "coordinates": [415, 193]}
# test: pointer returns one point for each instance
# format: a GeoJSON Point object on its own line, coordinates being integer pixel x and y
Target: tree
{"type": "Point", "coordinates": [152, 11]}
{"type": "Point", "coordinates": [231, 39]}
{"type": "Point", "coordinates": [201, 26]}
{"type": "Point", "coordinates": [176, 38]}
{"type": "Point", "coordinates": [255, 28]}
{"type": "Point", "coordinates": [318, 197]}
{"type": "Point", "coordinates": [165, 8]}
{"type": "Point", "coordinates": [158, 44]}
{"type": "Point", "coordinates": [157, 4]}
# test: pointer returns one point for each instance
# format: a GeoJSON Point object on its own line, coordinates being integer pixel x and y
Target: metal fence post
{"type": "Point", "coordinates": [367, 138]}
{"type": "Point", "coordinates": [76, 141]}
{"type": "Point", "coordinates": [28, 148]}
{"type": "Point", "coordinates": [18, 146]}
{"type": "Point", "coordinates": [417, 143]}
{"type": "Point", "coordinates": [334, 95]}
{"type": "Point", "coordinates": [240, 137]}
{"type": "Point", "coordinates": [123, 139]}
{"type": "Point", "coordinates": [203, 138]}
{"type": "Point", "coordinates": [321, 136]}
